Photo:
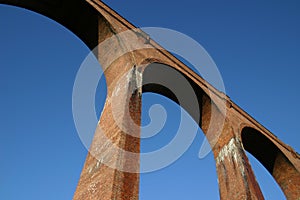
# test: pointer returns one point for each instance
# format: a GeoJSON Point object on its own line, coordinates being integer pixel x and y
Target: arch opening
{"type": "Point", "coordinates": [260, 147]}
{"type": "Point", "coordinates": [273, 159]}
{"type": "Point", "coordinates": [164, 80]}
{"type": "Point", "coordinates": [196, 174]}
{"type": "Point", "coordinates": [160, 80]}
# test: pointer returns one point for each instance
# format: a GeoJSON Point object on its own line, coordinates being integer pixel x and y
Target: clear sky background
{"type": "Point", "coordinates": [256, 46]}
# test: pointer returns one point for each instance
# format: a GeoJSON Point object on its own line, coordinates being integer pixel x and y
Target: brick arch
{"type": "Point", "coordinates": [273, 159]}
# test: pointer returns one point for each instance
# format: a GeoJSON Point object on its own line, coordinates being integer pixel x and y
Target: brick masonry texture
{"type": "Point", "coordinates": [229, 129]}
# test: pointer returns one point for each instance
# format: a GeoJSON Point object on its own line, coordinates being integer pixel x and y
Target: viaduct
{"type": "Point", "coordinates": [229, 129]}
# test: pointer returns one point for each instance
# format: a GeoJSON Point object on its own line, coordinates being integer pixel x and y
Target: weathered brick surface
{"type": "Point", "coordinates": [235, 176]}
{"type": "Point", "coordinates": [287, 176]}
{"type": "Point", "coordinates": [118, 127]}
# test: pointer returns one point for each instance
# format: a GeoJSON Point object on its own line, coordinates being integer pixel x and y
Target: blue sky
{"type": "Point", "coordinates": [255, 45]}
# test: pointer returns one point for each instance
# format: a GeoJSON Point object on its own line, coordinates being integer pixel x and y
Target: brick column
{"type": "Point", "coordinates": [235, 176]}
{"type": "Point", "coordinates": [111, 170]}
{"type": "Point", "coordinates": [287, 177]}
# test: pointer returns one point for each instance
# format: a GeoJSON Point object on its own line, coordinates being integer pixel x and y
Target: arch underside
{"type": "Point", "coordinates": [262, 148]}
{"type": "Point", "coordinates": [78, 16]}
{"type": "Point", "coordinates": [83, 20]}
{"type": "Point", "coordinates": [156, 79]}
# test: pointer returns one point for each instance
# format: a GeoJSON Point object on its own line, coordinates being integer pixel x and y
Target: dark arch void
{"type": "Point", "coordinates": [167, 81]}
{"type": "Point", "coordinates": [260, 147]}
{"type": "Point", "coordinates": [274, 160]}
